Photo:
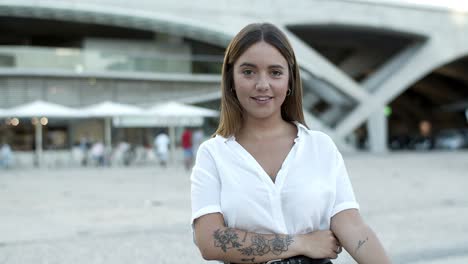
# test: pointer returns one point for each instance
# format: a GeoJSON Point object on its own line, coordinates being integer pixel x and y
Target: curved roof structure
{"type": "Point", "coordinates": [436, 36]}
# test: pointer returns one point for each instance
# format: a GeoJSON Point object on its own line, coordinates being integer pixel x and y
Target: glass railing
{"type": "Point", "coordinates": [79, 61]}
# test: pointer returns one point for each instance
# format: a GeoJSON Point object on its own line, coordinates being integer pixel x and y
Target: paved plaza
{"type": "Point", "coordinates": [416, 202]}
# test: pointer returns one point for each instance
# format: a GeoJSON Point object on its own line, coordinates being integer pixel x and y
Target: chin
{"type": "Point", "coordinates": [261, 116]}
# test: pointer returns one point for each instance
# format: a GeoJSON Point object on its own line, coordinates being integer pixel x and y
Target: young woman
{"type": "Point", "coordinates": [266, 188]}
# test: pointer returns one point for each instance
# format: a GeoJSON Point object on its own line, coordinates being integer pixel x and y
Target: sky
{"type": "Point", "coordinates": [456, 5]}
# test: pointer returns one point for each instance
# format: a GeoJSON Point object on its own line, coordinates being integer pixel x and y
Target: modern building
{"type": "Point", "coordinates": [372, 70]}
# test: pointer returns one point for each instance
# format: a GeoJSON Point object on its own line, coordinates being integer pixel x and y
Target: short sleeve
{"type": "Point", "coordinates": [344, 198]}
{"type": "Point", "coordinates": [205, 185]}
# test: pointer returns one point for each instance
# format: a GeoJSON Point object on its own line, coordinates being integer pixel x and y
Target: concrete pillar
{"type": "Point", "coordinates": [108, 133]}
{"type": "Point", "coordinates": [377, 129]}
{"type": "Point", "coordinates": [389, 81]}
{"type": "Point", "coordinates": [38, 134]}
{"type": "Point", "coordinates": [172, 137]}
{"type": "Point", "coordinates": [332, 115]}
{"type": "Point", "coordinates": [71, 133]}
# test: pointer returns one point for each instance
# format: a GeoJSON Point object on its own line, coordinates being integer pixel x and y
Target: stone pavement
{"type": "Point", "coordinates": [416, 202]}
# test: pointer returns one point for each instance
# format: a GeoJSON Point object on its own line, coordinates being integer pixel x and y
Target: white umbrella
{"type": "Point", "coordinates": [178, 111]}
{"type": "Point", "coordinates": [171, 115]}
{"type": "Point", "coordinates": [108, 110]}
{"type": "Point", "coordinates": [41, 109]}
{"type": "Point", "coordinates": [111, 109]}
{"type": "Point", "coordinates": [179, 114]}
{"type": "Point", "coordinates": [175, 109]}
{"type": "Point", "coordinates": [167, 114]}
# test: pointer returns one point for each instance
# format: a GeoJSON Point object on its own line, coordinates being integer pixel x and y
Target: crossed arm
{"type": "Point", "coordinates": [358, 238]}
{"type": "Point", "coordinates": [217, 242]}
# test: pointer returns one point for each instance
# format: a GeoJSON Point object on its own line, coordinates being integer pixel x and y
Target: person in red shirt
{"type": "Point", "coordinates": [187, 146]}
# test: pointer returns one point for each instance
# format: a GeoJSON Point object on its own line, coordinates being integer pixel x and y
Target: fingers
{"type": "Point", "coordinates": [339, 250]}
{"type": "Point", "coordinates": [335, 246]}
{"type": "Point", "coordinates": [323, 244]}
{"type": "Point", "coordinates": [334, 253]}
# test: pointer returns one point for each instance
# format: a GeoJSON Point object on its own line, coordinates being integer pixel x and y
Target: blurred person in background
{"type": "Point", "coordinates": [85, 145]}
{"type": "Point", "coordinates": [187, 146]}
{"type": "Point", "coordinates": [6, 156]}
{"type": "Point", "coordinates": [198, 137]}
{"type": "Point", "coordinates": [161, 147]}
{"type": "Point", "coordinates": [425, 140]}
{"type": "Point", "coordinates": [265, 187]}
{"type": "Point", "coordinates": [123, 153]}
{"type": "Point", "coordinates": [425, 130]}
{"type": "Point", "coordinates": [97, 153]}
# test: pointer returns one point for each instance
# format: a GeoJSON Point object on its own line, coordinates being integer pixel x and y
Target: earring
{"type": "Point", "coordinates": [289, 92]}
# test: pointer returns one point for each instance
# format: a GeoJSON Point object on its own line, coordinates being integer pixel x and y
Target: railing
{"type": "Point", "coordinates": [73, 157]}
{"type": "Point", "coordinates": [79, 60]}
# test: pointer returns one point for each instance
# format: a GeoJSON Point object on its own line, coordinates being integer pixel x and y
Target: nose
{"type": "Point", "coordinates": [262, 83]}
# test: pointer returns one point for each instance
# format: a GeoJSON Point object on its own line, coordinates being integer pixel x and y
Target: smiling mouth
{"type": "Point", "coordinates": [262, 98]}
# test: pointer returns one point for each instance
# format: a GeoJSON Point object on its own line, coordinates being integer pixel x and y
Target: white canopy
{"type": "Point", "coordinates": [171, 114]}
{"type": "Point", "coordinates": [167, 115]}
{"type": "Point", "coordinates": [3, 113]}
{"type": "Point", "coordinates": [42, 109]}
{"type": "Point", "coordinates": [108, 110]}
{"type": "Point", "coordinates": [175, 109]}
{"type": "Point", "coordinates": [111, 109]}
{"type": "Point", "coordinates": [157, 121]}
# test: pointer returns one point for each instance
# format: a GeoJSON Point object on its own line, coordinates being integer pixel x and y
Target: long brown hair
{"type": "Point", "coordinates": [231, 111]}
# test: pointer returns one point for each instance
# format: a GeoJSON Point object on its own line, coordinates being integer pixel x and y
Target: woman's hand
{"type": "Point", "coordinates": [319, 244]}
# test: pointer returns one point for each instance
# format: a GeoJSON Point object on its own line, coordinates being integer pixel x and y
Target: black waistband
{"type": "Point", "coordinates": [298, 260]}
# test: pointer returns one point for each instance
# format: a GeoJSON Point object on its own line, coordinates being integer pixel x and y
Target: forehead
{"type": "Point", "coordinates": [262, 54]}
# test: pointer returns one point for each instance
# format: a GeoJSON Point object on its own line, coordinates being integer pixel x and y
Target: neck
{"type": "Point", "coordinates": [262, 128]}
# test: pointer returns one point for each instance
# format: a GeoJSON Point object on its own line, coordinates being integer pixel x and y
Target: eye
{"type": "Point", "coordinates": [247, 72]}
{"type": "Point", "coordinates": [276, 73]}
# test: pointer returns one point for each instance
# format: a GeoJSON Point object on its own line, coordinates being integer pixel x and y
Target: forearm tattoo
{"type": "Point", "coordinates": [260, 244]}
{"type": "Point", "coordinates": [361, 243]}
{"type": "Point", "coordinates": [245, 237]}
{"type": "Point", "coordinates": [226, 239]}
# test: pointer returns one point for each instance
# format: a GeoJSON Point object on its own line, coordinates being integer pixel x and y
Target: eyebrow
{"type": "Point", "coordinates": [247, 64]}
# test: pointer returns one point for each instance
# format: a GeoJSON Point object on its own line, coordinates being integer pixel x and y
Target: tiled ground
{"type": "Point", "coordinates": [416, 202]}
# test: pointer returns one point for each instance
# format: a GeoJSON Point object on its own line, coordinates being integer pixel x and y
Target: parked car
{"type": "Point", "coordinates": [464, 131]}
{"type": "Point", "coordinates": [399, 142]}
{"type": "Point", "coordinates": [451, 139]}
{"type": "Point", "coordinates": [421, 143]}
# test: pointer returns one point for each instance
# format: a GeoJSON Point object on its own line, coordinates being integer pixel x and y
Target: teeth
{"type": "Point", "coordinates": [262, 98]}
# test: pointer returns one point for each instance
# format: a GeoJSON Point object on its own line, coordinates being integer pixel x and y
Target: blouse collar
{"type": "Point", "coordinates": [301, 129]}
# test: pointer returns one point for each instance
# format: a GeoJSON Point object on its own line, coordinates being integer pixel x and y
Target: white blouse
{"type": "Point", "coordinates": [311, 186]}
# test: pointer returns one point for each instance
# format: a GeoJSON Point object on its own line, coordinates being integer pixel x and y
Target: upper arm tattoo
{"type": "Point", "coordinates": [360, 244]}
